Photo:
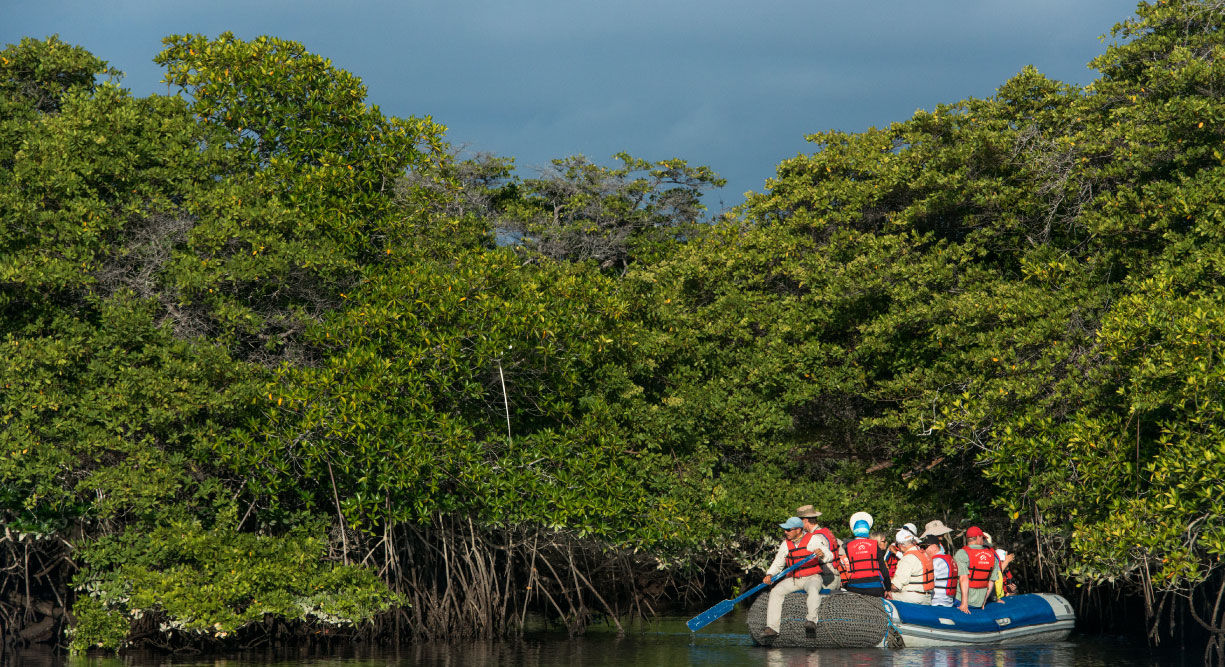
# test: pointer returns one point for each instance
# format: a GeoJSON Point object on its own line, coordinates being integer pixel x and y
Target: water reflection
{"type": "Point", "coordinates": [665, 643]}
{"type": "Point", "coordinates": [1065, 654]}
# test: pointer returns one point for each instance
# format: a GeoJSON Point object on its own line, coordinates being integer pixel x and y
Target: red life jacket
{"type": "Point", "coordinates": [891, 560]}
{"type": "Point", "coordinates": [948, 583]}
{"type": "Point", "coordinates": [863, 562]}
{"type": "Point", "coordinates": [982, 561]}
{"type": "Point", "coordinates": [927, 577]}
{"type": "Point", "coordinates": [833, 545]}
{"type": "Point", "coordinates": [1006, 574]}
{"type": "Point", "coordinates": [797, 552]}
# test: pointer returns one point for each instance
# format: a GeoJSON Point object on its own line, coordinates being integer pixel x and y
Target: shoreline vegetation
{"type": "Point", "coordinates": [278, 368]}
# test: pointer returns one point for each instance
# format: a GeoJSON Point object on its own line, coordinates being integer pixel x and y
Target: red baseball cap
{"type": "Point", "coordinates": [974, 531]}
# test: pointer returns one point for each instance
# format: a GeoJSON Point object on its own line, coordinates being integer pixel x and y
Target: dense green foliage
{"type": "Point", "coordinates": [214, 583]}
{"type": "Point", "coordinates": [1028, 285]}
{"type": "Point", "coordinates": [151, 270]}
{"type": "Point", "coordinates": [580, 211]}
{"type": "Point", "coordinates": [406, 415]}
{"type": "Point", "coordinates": [257, 331]}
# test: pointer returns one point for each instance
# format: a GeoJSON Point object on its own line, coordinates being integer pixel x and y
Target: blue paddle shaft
{"type": "Point", "coordinates": [718, 611]}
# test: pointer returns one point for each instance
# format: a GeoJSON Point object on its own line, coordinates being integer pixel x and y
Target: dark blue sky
{"type": "Point", "coordinates": [733, 84]}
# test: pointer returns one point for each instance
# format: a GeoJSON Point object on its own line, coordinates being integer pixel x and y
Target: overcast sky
{"type": "Point", "coordinates": [733, 84]}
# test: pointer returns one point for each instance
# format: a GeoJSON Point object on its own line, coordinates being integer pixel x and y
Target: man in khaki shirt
{"type": "Point", "coordinates": [909, 580]}
{"type": "Point", "coordinates": [829, 576]}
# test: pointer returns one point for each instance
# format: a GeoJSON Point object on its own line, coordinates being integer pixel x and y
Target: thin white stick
{"type": "Point", "coordinates": [344, 541]}
{"type": "Point", "coordinates": [505, 403]}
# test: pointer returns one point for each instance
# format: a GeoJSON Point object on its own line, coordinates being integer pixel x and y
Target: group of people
{"type": "Point", "coordinates": [913, 567]}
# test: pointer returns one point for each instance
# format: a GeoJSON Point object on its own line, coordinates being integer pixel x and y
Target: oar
{"type": "Point", "coordinates": [710, 615]}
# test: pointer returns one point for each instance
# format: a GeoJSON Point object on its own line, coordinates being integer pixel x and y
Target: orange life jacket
{"type": "Point", "coordinates": [925, 578]}
{"type": "Point", "coordinates": [863, 561]}
{"type": "Point", "coordinates": [797, 552]}
{"type": "Point", "coordinates": [982, 561]}
{"type": "Point", "coordinates": [948, 583]}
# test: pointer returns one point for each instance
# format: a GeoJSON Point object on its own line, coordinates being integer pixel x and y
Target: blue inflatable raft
{"type": "Point", "coordinates": [1016, 619]}
{"type": "Point", "coordinates": [847, 620]}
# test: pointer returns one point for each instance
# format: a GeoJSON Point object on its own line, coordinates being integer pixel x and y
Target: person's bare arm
{"type": "Point", "coordinates": [963, 587]}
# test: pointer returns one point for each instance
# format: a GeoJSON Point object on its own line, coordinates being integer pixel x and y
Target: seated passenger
{"type": "Point", "coordinates": [1005, 585]}
{"type": "Point", "coordinates": [914, 579]}
{"type": "Point", "coordinates": [795, 547]}
{"type": "Point", "coordinates": [865, 569]}
{"type": "Point", "coordinates": [944, 570]}
{"type": "Point", "coordinates": [830, 575]}
{"type": "Point", "coordinates": [976, 570]}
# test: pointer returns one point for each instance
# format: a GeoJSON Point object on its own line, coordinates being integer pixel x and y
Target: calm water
{"type": "Point", "coordinates": [664, 643]}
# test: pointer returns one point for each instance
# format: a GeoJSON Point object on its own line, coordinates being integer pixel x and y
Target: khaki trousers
{"type": "Point", "coordinates": [912, 596]}
{"type": "Point", "coordinates": [810, 585]}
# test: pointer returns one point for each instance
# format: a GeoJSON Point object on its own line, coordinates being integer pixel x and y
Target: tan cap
{"type": "Point", "coordinates": [807, 512]}
{"type": "Point", "coordinates": [936, 528]}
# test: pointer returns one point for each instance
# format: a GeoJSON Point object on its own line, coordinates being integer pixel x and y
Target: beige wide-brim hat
{"type": "Point", "coordinates": [861, 516]}
{"type": "Point", "coordinates": [807, 512]}
{"type": "Point", "coordinates": [935, 528]}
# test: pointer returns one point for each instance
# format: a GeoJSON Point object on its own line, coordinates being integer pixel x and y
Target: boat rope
{"type": "Point", "coordinates": [892, 639]}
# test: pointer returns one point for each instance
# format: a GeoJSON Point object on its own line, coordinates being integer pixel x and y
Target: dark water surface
{"type": "Point", "coordinates": [666, 642]}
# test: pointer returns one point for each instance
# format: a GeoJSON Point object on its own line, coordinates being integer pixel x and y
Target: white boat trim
{"type": "Point", "coordinates": [914, 634]}
{"type": "Point", "coordinates": [917, 635]}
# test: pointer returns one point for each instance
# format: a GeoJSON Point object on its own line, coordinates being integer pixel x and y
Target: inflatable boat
{"type": "Point", "coordinates": [847, 620]}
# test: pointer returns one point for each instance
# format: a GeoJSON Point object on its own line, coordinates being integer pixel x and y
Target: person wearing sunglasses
{"type": "Point", "coordinates": [795, 547]}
